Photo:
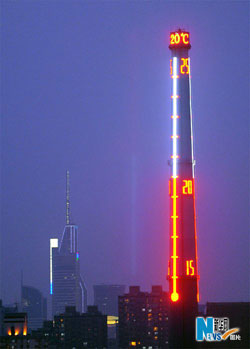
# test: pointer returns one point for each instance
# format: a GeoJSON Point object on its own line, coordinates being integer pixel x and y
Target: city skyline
{"type": "Point", "coordinates": [86, 88]}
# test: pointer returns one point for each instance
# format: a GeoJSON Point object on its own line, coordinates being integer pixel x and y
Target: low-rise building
{"type": "Point", "coordinates": [143, 319]}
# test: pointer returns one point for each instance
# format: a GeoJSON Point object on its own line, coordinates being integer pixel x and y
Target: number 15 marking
{"type": "Point", "coordinates": [190, 267]}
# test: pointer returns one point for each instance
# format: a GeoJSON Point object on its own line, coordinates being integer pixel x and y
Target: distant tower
{"type": "Point", "coordinates": [106, 298]}
{"type": "Point", "coordinates": [183, 269]}
{"type": "Point", "coordinates": [35, 305]}
{"type": "Point", "coordinates": [67, 288]}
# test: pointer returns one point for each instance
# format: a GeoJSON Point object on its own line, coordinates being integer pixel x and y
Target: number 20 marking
{"type": "Point", "coordinates": [187, 188]}
{"type": "Point", "coordinates": [175, 39]}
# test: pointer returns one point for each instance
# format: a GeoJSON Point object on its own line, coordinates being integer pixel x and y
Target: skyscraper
{"type": "Point", "coordinates": [67, 287]}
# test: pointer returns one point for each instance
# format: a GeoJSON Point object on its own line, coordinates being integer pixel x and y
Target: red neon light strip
{"type": "Point", "coordinates": [174, 294]}
{"type": "Point", "coordinates": [196, 255]}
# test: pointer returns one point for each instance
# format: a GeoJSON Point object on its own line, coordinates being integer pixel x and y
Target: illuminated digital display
{"type": "Point", "coordinates": [190, 267]}
{"type": "Point", "coordinates": [179, 39]}
{"type": "Point", "coordinates": [187, 188]}
{"type": "Point", "coordinates": [183, 67]}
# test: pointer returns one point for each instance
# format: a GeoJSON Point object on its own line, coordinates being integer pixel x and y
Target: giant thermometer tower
{"type": "Point", "coordinates": [183, 269]}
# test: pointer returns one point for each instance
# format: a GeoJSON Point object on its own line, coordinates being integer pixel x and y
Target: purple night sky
{"type": "Point", "coordinates": [86, 87]}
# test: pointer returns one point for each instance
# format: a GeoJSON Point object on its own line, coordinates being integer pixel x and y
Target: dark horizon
{"type": "Point", "coordinates": [86, 88]}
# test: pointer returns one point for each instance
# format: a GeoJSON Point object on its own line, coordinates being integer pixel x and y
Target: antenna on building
{"type": "Point", "coordinates": [67, 199]}
{"type": "Point", "coordinates": [21, 303]}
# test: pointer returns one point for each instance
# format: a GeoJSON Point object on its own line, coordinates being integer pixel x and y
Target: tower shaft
{"type": "Point", "coordinates": [182, 269]}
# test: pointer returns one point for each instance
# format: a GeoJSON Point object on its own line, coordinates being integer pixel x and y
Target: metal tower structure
{"type": "Point", "coordinates": [67, 199]}
{"type": "Point", "coordinates": [183, 267]}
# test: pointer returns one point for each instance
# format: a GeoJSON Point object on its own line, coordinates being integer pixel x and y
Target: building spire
{"type": "Point", "coordinates": [67, 199]}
